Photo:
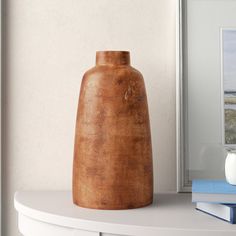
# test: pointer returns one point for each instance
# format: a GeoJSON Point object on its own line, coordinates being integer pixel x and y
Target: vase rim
{"type": "Point", "coordinates": [231, 150]}
{"type": "Point", "coordinates": [112, 51]}
{"type": "Point", "coordinates": [112, 57]}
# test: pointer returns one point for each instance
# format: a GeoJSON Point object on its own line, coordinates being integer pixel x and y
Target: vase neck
{"type": "Point", "coordinates": [112, 58]}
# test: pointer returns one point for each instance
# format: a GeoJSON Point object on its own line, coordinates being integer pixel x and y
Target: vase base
{"type": "Point", "coordinates": [114, 207]}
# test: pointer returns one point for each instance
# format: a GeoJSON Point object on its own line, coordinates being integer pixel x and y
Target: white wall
{"type": "Point", "coordinates": [50, 44]}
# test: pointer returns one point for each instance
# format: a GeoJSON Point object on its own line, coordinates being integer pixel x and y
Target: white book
{"type": "Point", "coordinates": [225, 212]}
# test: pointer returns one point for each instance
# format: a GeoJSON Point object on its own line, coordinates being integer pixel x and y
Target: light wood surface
{"type": "Point", "coordinates": [170, 214]}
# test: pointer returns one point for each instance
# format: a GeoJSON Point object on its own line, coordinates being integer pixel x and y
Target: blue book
{"type": "Point", "coordinates": [213, 191]}
{"type": "Point", "coordinates": [225, 212]}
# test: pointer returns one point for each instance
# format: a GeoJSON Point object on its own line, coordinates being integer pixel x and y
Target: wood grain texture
{"type": "Point", "coordinates": [112, 166]}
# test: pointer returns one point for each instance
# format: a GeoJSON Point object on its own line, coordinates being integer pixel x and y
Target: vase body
{"type": "Point", "coordinates": [230, 167]}
{"type": "Point", "coordinates": [112, 166]}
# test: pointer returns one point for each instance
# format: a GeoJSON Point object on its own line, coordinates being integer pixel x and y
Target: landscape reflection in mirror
{"type": "Point", "coordinates": [229, 84]}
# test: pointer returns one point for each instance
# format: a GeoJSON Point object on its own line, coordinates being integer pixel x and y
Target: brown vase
{"type": "Point", "coordinates": [112, 166]}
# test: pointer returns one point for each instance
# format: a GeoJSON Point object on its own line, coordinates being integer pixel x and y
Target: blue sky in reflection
{"type": "Point", "coordinates": [229, 59]}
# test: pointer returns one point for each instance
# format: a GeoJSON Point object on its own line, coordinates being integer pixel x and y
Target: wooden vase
{"type": "Point", "coordinates": [112, 166]}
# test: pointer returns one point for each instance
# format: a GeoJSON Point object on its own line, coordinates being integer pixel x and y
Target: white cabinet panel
{"type": "Point", "coordinates": [105, 234]}
{"type": "Point", "coordinates": [31, 227]}
{"type": "Point", "coordinates": [85, 233]}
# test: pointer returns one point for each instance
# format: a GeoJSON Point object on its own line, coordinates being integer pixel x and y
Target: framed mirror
{"type": "Point", "coordinates": [206, 88]}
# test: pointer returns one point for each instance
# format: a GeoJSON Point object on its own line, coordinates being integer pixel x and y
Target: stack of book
{"type": "Point", "coordinates": [216, 198]}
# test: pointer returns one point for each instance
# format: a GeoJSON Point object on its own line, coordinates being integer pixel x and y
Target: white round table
{"type": "Point", "coordinates": [52, 213]}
